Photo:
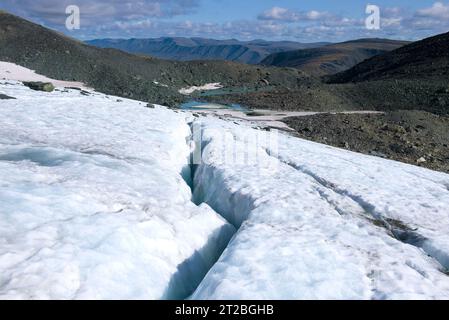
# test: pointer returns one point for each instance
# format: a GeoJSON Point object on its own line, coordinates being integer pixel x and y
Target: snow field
{"type": "Point", "coordinates": [93, 205]}
{"type": "Point", "coordinates": [303, 238]}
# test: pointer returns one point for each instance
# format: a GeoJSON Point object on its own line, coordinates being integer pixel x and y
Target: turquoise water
{"type": "Point", "coordinates": [197, 105]}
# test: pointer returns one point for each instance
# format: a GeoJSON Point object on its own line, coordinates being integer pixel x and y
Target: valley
{"type": "Point", "coordinates": [251, 87]}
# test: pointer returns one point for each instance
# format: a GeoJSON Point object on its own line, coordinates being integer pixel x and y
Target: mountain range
{"type": "Point", "coordinates": [412, 77]}
{"type": "Point", "coordinates": [187, 49]}
{"type": "Point", "coordinates": [332, 58]}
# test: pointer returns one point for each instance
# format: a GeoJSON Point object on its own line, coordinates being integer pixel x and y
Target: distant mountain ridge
{"type": "Point", "coordinates": [187, 49]}
{"type": "Point", "coordinates": [333, 58]}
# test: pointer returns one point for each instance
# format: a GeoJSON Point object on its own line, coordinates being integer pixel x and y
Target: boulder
{"type": "Point", "coordinates": [5, 97]}
{"type": "Point", "coordinates": [40, 86]}
{"type": "Point", "coordinates": [421, 160]}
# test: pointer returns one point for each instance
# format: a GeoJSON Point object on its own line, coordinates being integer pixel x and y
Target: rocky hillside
{"type": "Point", "coordinates": [414, 137]}
{"type": "Point", "coordinates": [411, 77]}
{"type": "Point", "coordinates": [331, 59]}
{"type": "Point", "coordinates": [116, 72]}
{"type": "Point", "coordinates": [425, 59]}
{"type": "Point", "coordinates": [187, 49]}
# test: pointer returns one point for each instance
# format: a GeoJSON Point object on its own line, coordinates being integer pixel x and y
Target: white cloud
{"type": "Point", "coordinates": [438, 10]}
{"type": "Point", "coordinates": [391, 22]}
{"type": "Point", "coordinates": [287, 15]}
{"type": "Point", "coordinates": [52, 12]}
{"type": "Point", "coordinates": [280, 14]}
{"type": "Point", "coordinates": [316, 15]}
{"type": "Point", "coordinates": [392, 12]}
{"type": "Point", "coordinates": [152, 18]}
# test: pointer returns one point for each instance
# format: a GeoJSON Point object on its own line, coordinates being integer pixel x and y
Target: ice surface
{"type": "Point", "coordinates": [92, 202]}
{"type": "Point", "coordinates": [320, 222]}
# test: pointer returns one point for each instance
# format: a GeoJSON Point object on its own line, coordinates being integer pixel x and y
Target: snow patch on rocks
{"type": "Point", "coordinates": [11, 71]}
{"type": "Point", "coordinates": [208, 86]}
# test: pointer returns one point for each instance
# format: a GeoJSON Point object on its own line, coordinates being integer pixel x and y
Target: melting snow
{"type": "Point", "coordinates": [209, 86]}
{"type": "Point", "coordinates": [160, 84]}
{"type": "Point", "coordinates": [11, 71]}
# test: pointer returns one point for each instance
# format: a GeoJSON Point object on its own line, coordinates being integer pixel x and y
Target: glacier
{"type": "Point", "coordinates": [100, 199]}
{"type": "Point", "coordinates": [316, 222]}
{"type": "Point", "coordinates": [93, 204]}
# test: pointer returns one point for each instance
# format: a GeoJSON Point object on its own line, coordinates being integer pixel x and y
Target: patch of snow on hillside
{"type": "Point", "coordinates": [160, 84]}
{"type": "Point", "coordinates": [11, 71]}
{"type": "Point", "coordinates": [208, 86]}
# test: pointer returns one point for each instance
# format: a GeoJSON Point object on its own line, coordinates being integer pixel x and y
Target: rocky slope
{"type": "Point", "coordinates": [411, 77]}
{"type": "Point", "coordinates": [414, 137]}
{"type": "Point", "coordinates": [112, 71]}
{"type": "Point", "coordinates": [428, 59]}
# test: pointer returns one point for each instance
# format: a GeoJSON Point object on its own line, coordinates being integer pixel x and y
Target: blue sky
{"type": "Point", "coordinates": [298, 20]}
